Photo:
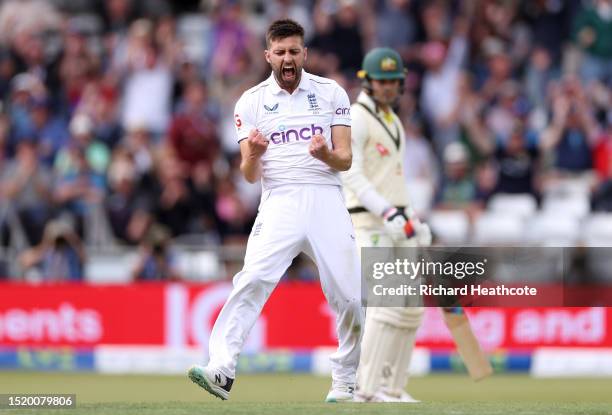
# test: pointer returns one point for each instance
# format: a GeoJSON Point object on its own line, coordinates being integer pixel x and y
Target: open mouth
{"type": "Point", "coordinates": [288, 72]}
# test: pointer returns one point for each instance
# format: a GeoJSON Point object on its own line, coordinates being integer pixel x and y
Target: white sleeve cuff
{"type": "Point", "coordinates": [373, 202]}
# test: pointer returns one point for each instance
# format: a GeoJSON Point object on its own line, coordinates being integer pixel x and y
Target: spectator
{"type": "Point", "coordinates": [571, 135]}
{"type": "Point", "coordinates": [538, 76]}
{"type": "Point", "coordinates": [139, 143]}
{"type": "Point", "coordinates": [321, 57]}
{"type": "Point", "coordinates": [128, 206]}
{"type": "Point", "coordinates": [117, 15]}
{"type": "Point", "coordinates": [156, 261]}
{"type": "Point", "coordinates": [77, 186]}
{"type": "Point", "coordinates": [231, 212]}
{"type": "Point", "coordinates": [436, 20]}
{"type": "Point", "coordinates": [51, 131]}
{"type": "Point", "coordinates": [289, 9]}
{"type": "Point", "coordinates": [517, 162]}
{"type": "Point", "coordinates": [7, 72]}
{"type": "Point", "coordinates": [27, 185]}
{"type": "Point", "coordinates": [77, 66]}
{"type": "Point", "coordinates": [458, 189]}
{"type": "Point", "coordinates": [173, 200]}
{"type": "Point", "coordinates": [550, 22]}
{"type": "Point", "coordinates": [509, 105]}
{"type": "Point", "coordinates": [498, 71]}
{"type": "Point", "coordinates": [346, 30]}
{"type": "Point", "coordinates": [193, 134]}
{"type": "Point", "coordinates": [25, 17]}
{"type": "Point", "coordinates": [203, 190]}
{"type": "Point", "coordinates": [82, 138]}
{"type": "Point", "coordinates": [59, 257]}
{"type": "Point", "coordinates": [602, 196]}
{"type": "Point", "coordinates": [230, 40]}
{"type": "Point", "coordinates": [395, 26]}
{"type": "Point", "coordinates": [147, 75]}
{"type": "Point", "coordinates": [602, 154]}
{"type": "Point", "coordinates": [593, 34]}
{"type": "Point", "coordinates": [25, 88]}
{"type": "Point", "coordinates": [441, 83]}
{"type": "Point", "coordinates": [99, 102]}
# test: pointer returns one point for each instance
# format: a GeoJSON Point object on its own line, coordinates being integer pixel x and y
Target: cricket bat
{"type": "Point", "coordinates": [469, 349]}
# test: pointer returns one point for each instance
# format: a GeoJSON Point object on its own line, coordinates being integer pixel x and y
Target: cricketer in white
{"type": "Point", "coordinates": [294, 132]}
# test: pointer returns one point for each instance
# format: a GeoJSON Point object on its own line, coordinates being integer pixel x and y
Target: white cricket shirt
{"type": "Point", "coordinates": [289, 121]}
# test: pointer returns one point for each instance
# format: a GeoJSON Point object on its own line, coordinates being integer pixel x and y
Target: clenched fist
{"type": "Point", "coordinates": [258, 144]}
{"type": "Point", "coordinates": [318, 147]}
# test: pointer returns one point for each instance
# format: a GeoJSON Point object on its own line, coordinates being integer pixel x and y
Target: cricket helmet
{"type": "Point", "coordinates": [382, 64]}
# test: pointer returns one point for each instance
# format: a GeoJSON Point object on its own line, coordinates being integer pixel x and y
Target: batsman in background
{"type": "Point", "coordinates": [377, 199]}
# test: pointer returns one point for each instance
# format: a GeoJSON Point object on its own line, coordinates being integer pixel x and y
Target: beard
{"type": "Point", "coordinates": [288, 77]}
{"type": "Point", "coordinates": [390, 100]}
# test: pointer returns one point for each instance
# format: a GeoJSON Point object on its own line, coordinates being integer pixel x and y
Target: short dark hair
{"type": "Point", "coordinates": [283, 28]}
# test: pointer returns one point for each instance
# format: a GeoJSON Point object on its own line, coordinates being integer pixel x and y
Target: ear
{"type": "Point", "coordinates": [267, 55]}
{"type": "Point", "coordinates": [305, 53]}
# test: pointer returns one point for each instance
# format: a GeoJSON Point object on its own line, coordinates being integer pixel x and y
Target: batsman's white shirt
{"type": "Point", "coordinates": [302, 210]}
{"type": "Point", "coordinates": [289, 121]}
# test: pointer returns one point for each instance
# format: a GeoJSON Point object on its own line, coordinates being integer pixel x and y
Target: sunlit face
{"type": "Point", "coordinates": [385, 92]}
{"type": "Point", "coordinates": [286, 57]}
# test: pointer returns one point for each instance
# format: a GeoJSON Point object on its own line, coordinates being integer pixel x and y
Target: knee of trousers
{"type": "Point", "coordinates": [353, 311]}
{"type": "Point", "coordinates": [400, 317]}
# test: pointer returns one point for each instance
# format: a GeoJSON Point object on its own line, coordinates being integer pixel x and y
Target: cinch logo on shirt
{"type": "Point", "coordinates": [286, 136]}
{"type": "Point", "coordinates": [343, 111]}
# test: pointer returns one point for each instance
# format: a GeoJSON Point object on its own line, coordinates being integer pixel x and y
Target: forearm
{"type": "Point", "coordinates": [358, 183]}
{"type": "Point", "coordinates": [551, 136]}
{"type": "Point", "coordinates": [339, 159]}
{"type": "Point", "coordinates": [373, 201]}
{"type": "Point", "coordinates": [251, 168]}
{"type": "Point", "coordinates": [479, 136]}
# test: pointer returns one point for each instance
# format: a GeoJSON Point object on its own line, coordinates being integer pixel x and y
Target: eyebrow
{"type": "Point", "coordinates": [276, 50]}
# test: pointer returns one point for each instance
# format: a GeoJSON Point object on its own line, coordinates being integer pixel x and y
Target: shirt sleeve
{"type": "Point", "coordinates": [456, 53]}
{"type": "Point", "coordinates": [244, 118]}
{"type": "Point", "coordinates": [355, 178]}
{"type": "Point", "coordinates": [342, 108]}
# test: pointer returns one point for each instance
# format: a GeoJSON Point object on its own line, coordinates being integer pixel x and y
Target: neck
{"type": "Point", "coordinates": [386, 108]}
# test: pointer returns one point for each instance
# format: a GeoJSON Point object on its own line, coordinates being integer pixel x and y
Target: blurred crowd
{"type": "Point", "coordinates": [119, 112]}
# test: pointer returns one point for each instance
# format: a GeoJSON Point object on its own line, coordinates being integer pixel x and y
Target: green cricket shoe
{"type": "Point", "coordinates": [213, 381]}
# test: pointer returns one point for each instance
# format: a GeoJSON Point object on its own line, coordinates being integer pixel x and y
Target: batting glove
{"type": "Point", "coordinates": [401, 227]}
{"type": "Point", "coordinates": [397, 224]}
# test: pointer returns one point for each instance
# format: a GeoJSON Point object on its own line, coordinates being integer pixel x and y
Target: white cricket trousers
{"type": "Point", "coordinates": [292, 219]}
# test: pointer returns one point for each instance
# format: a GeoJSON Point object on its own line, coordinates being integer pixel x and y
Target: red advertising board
{"type": "Point", "coordinates": [74, 314]}
{"type": "Point", "coordinates": [296, 316]}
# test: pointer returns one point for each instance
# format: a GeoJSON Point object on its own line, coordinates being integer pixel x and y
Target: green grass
{"type": "Point", "coordinates": [302, 394]}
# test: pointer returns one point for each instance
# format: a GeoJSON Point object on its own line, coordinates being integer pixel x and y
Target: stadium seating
{"type": "Point", "coordinates": [553, 228]}
{"type": "Point", "coordinates": [449, 227]}
{"type": "Point", "coordinates": [493, 228]}
{"type": "Point", "coordinates": [574, 205]}
{"type": "Point", "coordinates": [522, 205]}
